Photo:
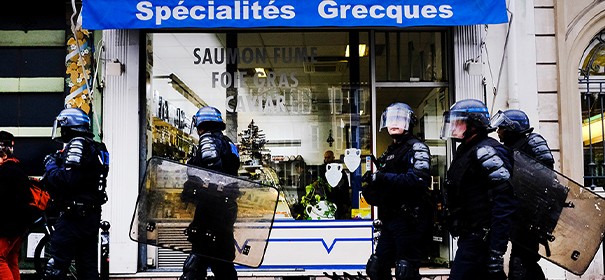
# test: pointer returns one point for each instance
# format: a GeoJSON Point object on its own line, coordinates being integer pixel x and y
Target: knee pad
{"type": "Point", "coordinates": [405, 270]}
{"type": "Point", "coordinates": [516, 269]}
{"type": "Point", "coordinates": [372, 267]}
{"type": "Point", "coordinates": [375, 270]}
{"type": "Point", "coordinates": [193, 268]}
{"type": "Point", "coordinates": [52, 272]}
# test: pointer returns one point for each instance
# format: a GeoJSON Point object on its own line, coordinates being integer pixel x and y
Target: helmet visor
{"type": "Point", "coordinates": [454, 125]}
{"type": "Point", "coordinates": [396, 117]}
{"type": "Point", "coordinates": [56, 130]}
{"type": "Point", "coordinates": [192, 125]}
{"type": "Point", "coordinates": [501, 120]}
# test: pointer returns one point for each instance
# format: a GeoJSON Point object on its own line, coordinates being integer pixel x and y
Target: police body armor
{"type": "Point", "coordinates": [91, 159]}
{"type": "Point", "coordinates": [216, 152]}
{"type": "Point", "coordinates": [396, 159]}
{"type": "Point", "coordinates": [535, 146]}
{"type": "Point", "coordinates": [466, 188]}
{"type": "Point", "coordinates": [530, 232]}
{"type": "Point", "coordinates": [402, 199]}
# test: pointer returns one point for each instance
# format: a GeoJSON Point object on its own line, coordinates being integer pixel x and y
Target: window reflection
{"type": "Point", "coordinates": [287, 98]}
{"type": "Point", "coordinates": [410, 56]}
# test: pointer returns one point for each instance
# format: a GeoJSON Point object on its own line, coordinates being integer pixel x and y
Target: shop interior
{"type": "Point", "coordinates": [288, 97]}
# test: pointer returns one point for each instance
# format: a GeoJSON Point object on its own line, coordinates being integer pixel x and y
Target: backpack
{"type": "Point", "coordinates": [40, 197]}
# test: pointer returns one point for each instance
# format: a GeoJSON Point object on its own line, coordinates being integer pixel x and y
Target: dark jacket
{"type": "Point", "coordinates": [228, 158]}
{"type": "Point", "coordinates": [478, 200]}
{"type": "Point", "coordinates": [211, 231]}
{"type": "Point", "coordinates": [15, 214]}
{"type": "Point", "coordinates": [399, 187]}
{"type": "Point", "coordinates": [80, 183]}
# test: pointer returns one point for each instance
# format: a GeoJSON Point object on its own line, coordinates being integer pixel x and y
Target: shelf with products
{"type": "Point", "coordinates": [256, 165]}
{"type": "Point", "coordinates": [171, 142]}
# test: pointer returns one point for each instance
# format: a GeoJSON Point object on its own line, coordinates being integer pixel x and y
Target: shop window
{"type": "Point", "coordinates": [592, 81]}
{"type": "Point", "coordinates": [410, 56]}
{"type": "Point", "coordinates": [297, 94]}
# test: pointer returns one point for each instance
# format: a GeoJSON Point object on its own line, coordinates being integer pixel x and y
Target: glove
{"type": "Point", "coordinates": [191, 189]}
{"type": "Point", "coordinates": [50, 162]}
{"type": "Point", "coordinates": [367, 177]}
{"type": "Point", "coordinates": [231, 190]}
{"type": "Point", "coordinates": [495, 265]}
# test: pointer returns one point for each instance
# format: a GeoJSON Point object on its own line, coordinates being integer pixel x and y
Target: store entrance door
{"type": "Point", "coordinates": [428, 104]}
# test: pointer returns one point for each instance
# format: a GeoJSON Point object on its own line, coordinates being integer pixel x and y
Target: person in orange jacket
{"type": "Point", "coordinates": [14, 208]}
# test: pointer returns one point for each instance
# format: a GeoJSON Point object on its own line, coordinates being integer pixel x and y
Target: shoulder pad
{"type": "Point", "coordinates": [421, 159]}
{"type": "Point", "coordinates": [492, 164]}
{"type": "Point", "coordinates": [207, 148]}
{"type": "Point", "coordinates": [419, 146]}
{"type": "Point", "coordinates": [535, 139]}
{"type": "Point", "coordinates": [74, 151]}
{"type": "Point", "coordinates": [540, 149]}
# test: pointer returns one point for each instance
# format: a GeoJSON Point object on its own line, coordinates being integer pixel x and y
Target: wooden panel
{"type": "Point", "coordinates": [32, 84]}
{"type": "Point", "coordinates": [33, 38]}
{"type": "Point", "coordinates": [33, 62]}
{"type": "Point", "coordinates": [30, 109]}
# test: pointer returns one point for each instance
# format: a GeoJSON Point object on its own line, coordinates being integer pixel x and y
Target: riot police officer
{"type": "Point", "coordinates": [211, 231]}
{"type": "Point", "coordinates": [479, 198]}
{"type": "Point", "coordinates": [515, 132]}
{"type": "Point", "coordinates": [399, 189]}
{"type": "Point", "coordinates": [76, 179]}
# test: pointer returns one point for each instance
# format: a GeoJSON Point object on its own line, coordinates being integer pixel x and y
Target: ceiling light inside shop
{"type": "Point", "coordinates": [592, 130]}
{"type": "Point", "coordinates": [363, 50]}
{"type": "Point", "coordinates": [262, 73]}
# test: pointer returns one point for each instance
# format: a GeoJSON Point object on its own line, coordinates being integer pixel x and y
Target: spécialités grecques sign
{"type": "Point", "coordinates": [149, 14]}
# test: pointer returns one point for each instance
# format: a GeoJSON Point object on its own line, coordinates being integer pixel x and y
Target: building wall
{"type": "Point", "coordinates": [570, 25]}
{"type": "Point", "coordinates": [532, 64]}
{"type": "Point", "coordinates": [576, 24]}
{"type": "Point", "coordinates": [122, 135]}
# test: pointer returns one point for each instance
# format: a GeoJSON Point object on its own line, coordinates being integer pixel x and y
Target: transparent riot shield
{"type": "Point", "coordinates": [185, 208]}
{"type": "Point", "coordinates": [567, 218]}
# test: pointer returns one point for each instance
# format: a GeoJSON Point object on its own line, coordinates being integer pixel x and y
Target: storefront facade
{"type": "Point", "coordinates": [313, 92]}
{"type": "Point", "coordinates": [313, 97]}
{"type": "Point", "coordinates": [307, 90]}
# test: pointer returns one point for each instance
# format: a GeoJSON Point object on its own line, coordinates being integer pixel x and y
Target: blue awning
{"type": "Point", "coordinates": [148, 14]}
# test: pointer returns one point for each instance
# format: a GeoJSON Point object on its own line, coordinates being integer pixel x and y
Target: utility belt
{"type": "Point", "coordinates": [413, 212]}
{"type": "Point", "coordinates": [482, 233]}
{"type": "Point", "coordinates": [196, 234]}
{"type": "Point", "coordinates": [79, 209]}
{"type": "Point", "coordinates": [464, 231]}
{"type": "Point", "coordinates": [403, 210]}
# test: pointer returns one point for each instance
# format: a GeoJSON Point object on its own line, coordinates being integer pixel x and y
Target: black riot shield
{"type": "Point", "coordinates": [567, 218]}
{"type": "Point", "coordinates": [185, 208]}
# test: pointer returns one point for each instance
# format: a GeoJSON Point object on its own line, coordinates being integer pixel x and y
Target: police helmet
{"type": "Point", "coordinates": [72, 121]}
{"type": "Point", "coordinates": [208, 118]}
{"type": "Point", "coordinates": [464, 113]}
{"type": "Point", "coordinates": [512, 120]}
{"type": "Point", "coordinates": [399, 115]}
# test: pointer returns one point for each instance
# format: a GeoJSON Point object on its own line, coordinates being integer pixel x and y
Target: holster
{"type": "Point", "coordinates": [80, 209]}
